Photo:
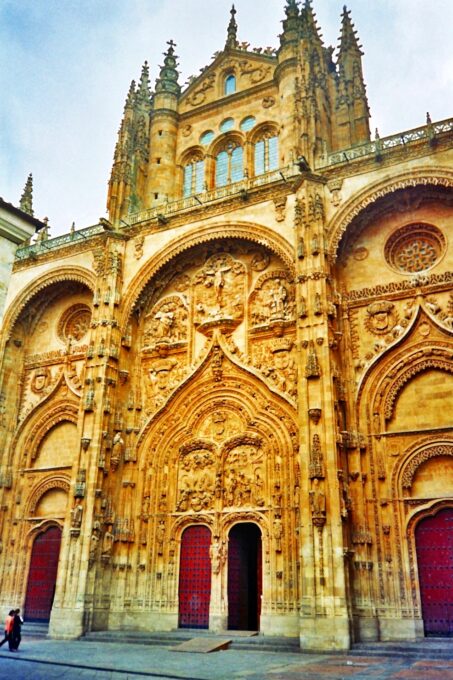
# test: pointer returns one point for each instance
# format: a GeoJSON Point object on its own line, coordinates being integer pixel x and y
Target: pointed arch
{"type": "Point", "coordinates": [341, 221]}
{"type": "Point", "coordinates": [248, 231]}
{"type": "Point", "coordinates": [49, 278]}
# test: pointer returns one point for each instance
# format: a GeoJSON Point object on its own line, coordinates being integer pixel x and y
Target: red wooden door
{"type": "Point", "coordinates": [195, 578]}
{"type": "Point", "coordinates": [244, 577]}
{"type": "Point", "coordinates": [42, 575]}
{"type": "Point", "coordinates": [434, 540]}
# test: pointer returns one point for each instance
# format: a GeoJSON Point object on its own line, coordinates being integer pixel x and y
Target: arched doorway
{"type": "Point", "coordinates": [244, 577]}
{"type": "Point", "coordinates": [195, 578]}
{"type": "Point", "coordinates": [42, 575]}
{"type": "Point", "coordinates": [434, 541]}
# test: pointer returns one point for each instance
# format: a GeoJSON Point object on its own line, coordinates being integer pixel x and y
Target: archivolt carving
{"type": "Point", "coordinates": [42, 423]}
{"type": "Point", "coordinates": [421, 457]}
{"type": "Point", "coordinates": [247, 231]}
{"type": "Point", "coordinates": [78, 274]}
{"type": "Point", "coordinates": [45, 486]}
{"type": "Point", "coordinates": [424, 365]}
{"type": "Point", "coordinates": [422, 177]}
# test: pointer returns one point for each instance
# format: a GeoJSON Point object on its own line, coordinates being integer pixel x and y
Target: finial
{"type": "Point", "coordinates": [428, 119]}
{"type": "Point", "coordinates": [232, 40]}
{"type": "Point", "coordinates": [168, 76]}
{"type": "Point", "coordinates": [26, 200]}
{"type": "Point", "coordinates": [376, 134]}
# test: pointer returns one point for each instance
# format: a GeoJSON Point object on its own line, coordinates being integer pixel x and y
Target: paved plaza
{"type": "Point", "coordinates": [43, 659]}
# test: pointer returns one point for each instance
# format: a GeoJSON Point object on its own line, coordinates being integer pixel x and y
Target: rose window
{"type": "Point", "coordinates": [75, 322]}
{"type": "Point", "coordinates": [415, 248]}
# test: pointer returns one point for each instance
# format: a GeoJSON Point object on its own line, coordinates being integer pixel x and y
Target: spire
{"type": "Point", "coordinates": [168, 76]}
{"type": "Point", "coordinates": [348, 36]}
{"type": "Point", "coordinates": [309, 25]}
{"type": "Point", "coordinates": [291, 23]}
{"type": "Point", "coordinates": [143, 95]}
{"type": "Point", "coordinates": [26, 200]}
{"type": "Point", "coordinates": [232, 34]}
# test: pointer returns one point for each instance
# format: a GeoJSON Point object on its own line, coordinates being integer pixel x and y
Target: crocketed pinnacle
{"type": "Point", "coordinates": [26, 200]}
{"type": "Point", "coordinates": [143, 95]}
{"type": "Point", "coordinates": [232, 33]}
{"type": "Point", "coordinates": [130, 99]}
{"type": "Point", "coordinates": [168, 76]}
{"type": "Point", "coordinates": [309, 26]}
{"type": "Point", "coordinates": [348, 37]}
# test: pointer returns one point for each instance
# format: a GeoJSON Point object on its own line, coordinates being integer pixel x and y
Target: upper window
{"type": "Point", "coordinates": [266, 153]}
{"type": "Point", "coordinates": [193, 182]}
{"type": "Point", "coordinates": [415, 248]}
{"type": "Point", "coordinates": [229, 165]}
{"type": "Point", "coordinates": [226, 125]}
{"type": "Point", "coordinates": [207, 137]}
{"type": "Point", "coordinates": [247, 123]}
{"type": "Point", "coordinates": [230, 84]}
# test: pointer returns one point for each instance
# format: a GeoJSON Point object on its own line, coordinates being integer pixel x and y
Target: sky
{"type": "Point", "coordinates": [66, 66]}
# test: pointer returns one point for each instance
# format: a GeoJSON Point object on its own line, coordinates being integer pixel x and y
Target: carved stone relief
{"type": "Point", "coordinates": [219, 290]}
{"type": "Point", "coordinates": [273, 299]}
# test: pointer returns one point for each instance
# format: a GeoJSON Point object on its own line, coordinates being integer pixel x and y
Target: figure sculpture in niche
{"type": "Point", "coordinates": [76, 515]}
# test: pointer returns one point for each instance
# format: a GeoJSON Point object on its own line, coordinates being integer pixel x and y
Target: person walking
{"type": "Point", "coordinates": [16, 629]}
{"type": "Point", "coordinates": [8, 630]}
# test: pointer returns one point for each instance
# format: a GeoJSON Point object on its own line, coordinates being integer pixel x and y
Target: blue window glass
{"type": "Point", "coordinates": [226, 125]}
{"type": "Point", "coordinates": [199, 176]}
{"type": "Point", "coordinates": [247, 123]}
{"type": "Point", "coordinates": [188, 171]}
{"type": "Point", "coordinates": [266, 155]}
{"type": "Point", "coordinates": [273, 153]}
{"type": "Point", "coordinates": [259, 157]}
{"type": "Point", "coordinates": [237, 166]}
{"type": "Point", "coordinates": [207, 137]}
{"type": "Point", "coordinates": [230, 84]}
{"type": "Point", "coordinates": [221, 169]}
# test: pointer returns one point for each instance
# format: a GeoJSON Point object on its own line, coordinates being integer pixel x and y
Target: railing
{"type": "Point", "coordinates": [44, 246]}
{"type": "Point", "coordinates": [379, 145]}
{"type": "Point", "coordinates": [164, 210]}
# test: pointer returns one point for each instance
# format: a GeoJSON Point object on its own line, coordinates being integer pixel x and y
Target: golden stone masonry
{"type": "Point", "coordinates": [229, 406]}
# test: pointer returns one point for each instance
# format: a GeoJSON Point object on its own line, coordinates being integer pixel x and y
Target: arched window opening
{"type": "Point", "coordinates": [229, 165]}
{"type": "Point", "coordinates": [193, 182]}
{"type": "Point", "coordinates": [230, 84]}
{"type": "Point", "coordinates": [266, 154]}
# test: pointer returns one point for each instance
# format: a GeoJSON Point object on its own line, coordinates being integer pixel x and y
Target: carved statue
{"type": "Point", "coordinates": [317, 504]}
{"type": "Point", "coordinates": [117, 451]}
{"type": "Point", "coordinates": [107, 543]}
{"type": "Point", "coordinates": [76, 515]}
{"type": "Point", "coordinates": [278, 533]}
{"type": "Point", "coordinates": [217, 555]}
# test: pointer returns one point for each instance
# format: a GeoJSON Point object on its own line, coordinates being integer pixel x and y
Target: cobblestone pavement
{"type": "Point", "coordinates": [43, 659]}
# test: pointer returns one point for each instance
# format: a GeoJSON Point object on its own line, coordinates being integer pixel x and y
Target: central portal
{"type": "Point", "coordinates": [244, 577]}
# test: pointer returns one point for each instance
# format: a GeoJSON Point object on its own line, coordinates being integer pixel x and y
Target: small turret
{"type": "Point", "coordinates": [142, 97]}
{"type": "Point", "coordinates": [291, 23]}
{"type": "Point", "coordinates": [232, 33]}
{"type": "Point", "coordinates": [26, 200]}
{"type": "Point", "coordinates": [309, 26]}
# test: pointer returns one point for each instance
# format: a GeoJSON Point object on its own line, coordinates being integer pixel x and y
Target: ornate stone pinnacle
{"type": "Point", "coordinates": [232, 41]}
{"type": "Point", "coordinates": [168, 77]}
{"type": "Point", "coordinates": [26, 200]}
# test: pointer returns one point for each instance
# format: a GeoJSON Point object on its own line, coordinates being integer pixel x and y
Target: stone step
{"type": "Point", "coordinates": [169, 639]}
{"type": "Point", "coordinates": [428, 648]}
{"type": "Point", "coordinates": [34, 629]}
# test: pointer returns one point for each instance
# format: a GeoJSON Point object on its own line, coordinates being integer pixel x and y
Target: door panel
{"type": "Point", "coordinates": [434, 540]}
{"type": "Point", "coordinates": [195, 578]}
{"type": "Point", "coordinates": [42, 575]}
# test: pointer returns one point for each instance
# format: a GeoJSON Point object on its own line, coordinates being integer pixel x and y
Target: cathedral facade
{"type": "Point", "coordinates": [228, 406]}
